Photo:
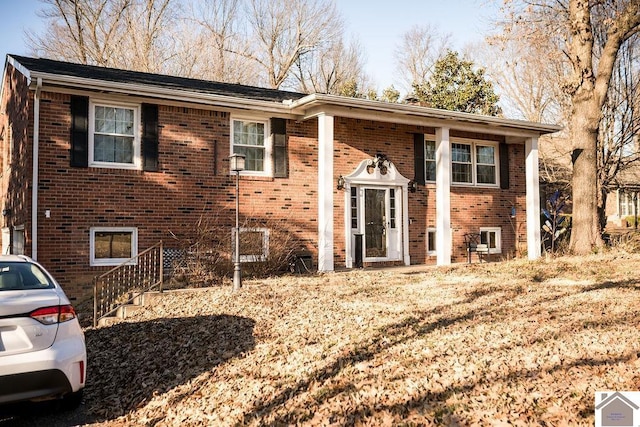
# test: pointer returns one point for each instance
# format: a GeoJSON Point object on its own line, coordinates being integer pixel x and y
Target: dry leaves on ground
{"type": "Point", "coordinates": [516, 343]}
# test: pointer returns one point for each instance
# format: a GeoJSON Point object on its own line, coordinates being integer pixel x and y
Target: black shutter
{"type": "Point", "coordinates": [150, 137]}
{"type": "Point", "coordinates": [418, 155]}
{"type": "Point", "coordinates": [79, 131]}
{"type": "Point", "coordinates": [504, 166]}
{"type": "Point", "coordinates": [279, 138]}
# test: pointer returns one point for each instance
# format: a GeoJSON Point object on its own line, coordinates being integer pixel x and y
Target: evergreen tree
{"type": "Point", "coordinates": [456, 86]}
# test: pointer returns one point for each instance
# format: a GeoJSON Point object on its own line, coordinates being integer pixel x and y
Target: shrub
{"type": "Point", "coordinates": [631, 221]}
{"type": "Point", "coordinates": [208, 249]}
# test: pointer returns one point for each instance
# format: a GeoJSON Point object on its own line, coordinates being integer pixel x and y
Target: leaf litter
{"type": "Point", "coordinates": [512, 343]}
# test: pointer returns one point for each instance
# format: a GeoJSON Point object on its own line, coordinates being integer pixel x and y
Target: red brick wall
{"type": "Point", "coordinates": [193, 182]}
{"type": "Point", "coordinates": [471, 208]}
{"type": "Point", "coordinates": [16, 123]}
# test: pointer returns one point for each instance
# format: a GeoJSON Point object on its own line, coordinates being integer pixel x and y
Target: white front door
{"type": "Point", "coordinates": [381, 216]}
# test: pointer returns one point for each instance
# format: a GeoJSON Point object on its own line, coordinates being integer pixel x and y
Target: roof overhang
{"type": "Point", "coordinates": [55, 81]}
{"type": "Point", "coordinates": [305, 108]}
{"type": "Point", "coordinates": [317, 104]}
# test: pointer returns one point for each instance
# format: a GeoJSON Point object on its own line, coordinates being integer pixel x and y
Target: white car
{"type": "Point", "coordinates": [42, 348]}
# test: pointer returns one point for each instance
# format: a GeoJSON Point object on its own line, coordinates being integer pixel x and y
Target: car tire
{"type": "Point", "coordinates": [72, 400]}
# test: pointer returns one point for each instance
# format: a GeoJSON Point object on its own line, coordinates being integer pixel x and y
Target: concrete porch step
{"type": "Point", "coordinates": [137, 303]}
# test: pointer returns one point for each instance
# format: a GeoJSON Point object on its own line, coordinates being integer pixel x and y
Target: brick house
{"type": "Point", "coordinates": [93, 156]}
{"type": "Point", "coordinates": [622, 203]}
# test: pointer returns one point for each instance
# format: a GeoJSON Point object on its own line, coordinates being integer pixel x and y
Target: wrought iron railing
{"type": "Point", "coordinates": [126, 282]}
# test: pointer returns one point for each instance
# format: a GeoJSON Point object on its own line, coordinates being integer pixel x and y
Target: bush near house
{"type": "Point", "coordinates": [631, 221]}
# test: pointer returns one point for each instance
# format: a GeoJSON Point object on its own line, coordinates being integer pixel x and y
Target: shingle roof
{"type": "Point", "coordinates": [171, 82]}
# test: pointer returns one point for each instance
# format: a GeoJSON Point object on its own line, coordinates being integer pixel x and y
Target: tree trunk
{"type": "Point", "coordinates": [585, 231]}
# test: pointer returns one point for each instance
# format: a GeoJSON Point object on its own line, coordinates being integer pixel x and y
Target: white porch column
{"type": "Point", "coordinates": [325, 193]}
{"type": "Point", "coordinates": [533, 198]}
{"type": "Point", "coordinates": [443, 197]}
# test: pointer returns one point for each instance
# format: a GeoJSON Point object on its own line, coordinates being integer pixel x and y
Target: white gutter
{"type": "Point", "coordinates": [306, 107]}
{"type": "Point", "coordinates": [34, 184]}
{"type": "Point", "coordinates": [151, 91]}
{"type": "Point", "coordinates": [316, 100]}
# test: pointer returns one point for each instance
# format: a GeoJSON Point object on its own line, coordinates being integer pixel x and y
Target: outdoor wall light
{"type": "Point", "coordinates": [513, 211]}
{"type": "Point", "coordinates": [381, 162]}
{"type": "Point", "coordinates": [413, 186]}
{"type": "Point", "coordinates": [341, 183]}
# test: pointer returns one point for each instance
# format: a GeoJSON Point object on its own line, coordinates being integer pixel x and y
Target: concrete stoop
{"type": "Point", "coordinates": [124, 311]}
{"type": "Point", "coordinates": [147, 299]}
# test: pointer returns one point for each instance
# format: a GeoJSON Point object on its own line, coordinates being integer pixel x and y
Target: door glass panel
{"type": "Point", "coordinates": [375, 223]}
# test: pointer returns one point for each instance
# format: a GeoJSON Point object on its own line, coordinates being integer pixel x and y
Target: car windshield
{"type": "Point", "coordinates": [22, 275]}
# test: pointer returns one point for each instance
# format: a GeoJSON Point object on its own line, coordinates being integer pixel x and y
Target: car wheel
{"type": "Point", "coordinates": [72, 400]}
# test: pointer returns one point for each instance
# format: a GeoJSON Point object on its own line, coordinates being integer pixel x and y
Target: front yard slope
{"type": "Point", "coordinates": [517, 342]}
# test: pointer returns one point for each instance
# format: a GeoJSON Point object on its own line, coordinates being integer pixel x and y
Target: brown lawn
{"type": "Point", "coordinates": [514, 343]}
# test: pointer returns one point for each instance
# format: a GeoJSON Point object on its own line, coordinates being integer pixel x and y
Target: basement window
{"type": "Point", "coordinates": [254, 244]}
{"type": "Point", "coordinates": [431, 241]}
{"type": "Point", "coordinates": [113, 245]}
{"type": "Point", "coordinates": [491, 236]}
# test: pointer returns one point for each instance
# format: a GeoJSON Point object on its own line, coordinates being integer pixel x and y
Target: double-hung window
{"type": "Point", "coordinates": [430, 160]}
{"type": "Point", "coordinates": [474, 163]}
{"type": "Point", "coordinates": [461, 164]}
{"type": "Point", "coordinates": [626, 203]}
{"type": "Point", "coordinates": [250, 138]}
{"type": "Point", "coordinates": [485, 164]}
{"type": "Point", "coordinates": [114, 139]}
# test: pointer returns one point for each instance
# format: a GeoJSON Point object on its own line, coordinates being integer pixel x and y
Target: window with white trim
{"type": "Point", "coordinates": [486, 164]}
{"type": "Point", "coordinates": [254, 244]}
{"type": "Point", "coordinates": [431, 241]}
{"type": "Point", "coordinates": [113, 245]}
{"type": "Point", "coordinates": [474, 163]}
{"type": "Point", "coordinates": [6, 240]}
{"type": "Point", "coordinates": [17, 246]}
{"type": "Point", "coordinates": [625, 203]}
{"type": "Point", "coordinates": [250, 138]}
{"type": "Point", "coordinates": [114, 137]}
{"type": "Point", "coordinates": [430, 160]}
{"type": "Point", "coordinates": [491, 236]}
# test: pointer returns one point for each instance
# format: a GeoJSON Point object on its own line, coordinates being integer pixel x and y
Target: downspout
{"type": "Point", "coordinates": [34, 189]}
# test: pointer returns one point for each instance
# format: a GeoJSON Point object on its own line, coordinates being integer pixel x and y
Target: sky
{"type": "Point", "coordinates": [377, 24]}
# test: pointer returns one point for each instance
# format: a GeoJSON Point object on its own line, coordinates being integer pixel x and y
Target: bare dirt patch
{"type": "Point", "coordinates": [517, 342]}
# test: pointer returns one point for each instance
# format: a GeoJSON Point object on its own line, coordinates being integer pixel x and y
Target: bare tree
{"type": "Point", "coordinates": [133, 34]}
{"type": "Point", "coordinates": [590, 35]}
{"type": "Point", "coordinates": [148, 43]}
{"type": "Point", "coordinates": [295, 43]}
{"type": "Point", "coordinates": [528, 75]}
{"type": "Point", "coordinates": [417, 53]}
{"type": "Point", "coordinates": [221, 38]}
{"type": "Point", "coordinates": [620, 125]}
{"type": "Point", "coordinates": [283, 31]}
{"type": "Point", "coordinates": [331, 67]}
{"type": "Point", "coordinates": [528, 70]}
{"type": "Point", "coordinates": [83, 31]}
